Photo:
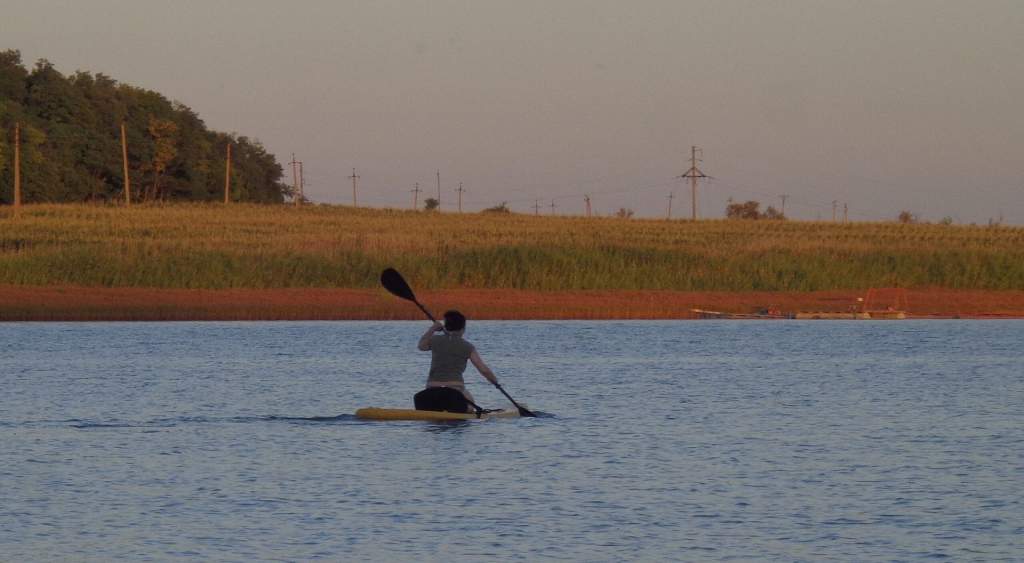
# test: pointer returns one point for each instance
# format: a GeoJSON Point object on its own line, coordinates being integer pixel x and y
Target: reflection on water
{"type": "Point", "coordinates": [670, 441]}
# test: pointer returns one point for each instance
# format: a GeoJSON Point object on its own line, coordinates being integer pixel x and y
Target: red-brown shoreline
{"type": "Point", "coordinates": [73, 303]}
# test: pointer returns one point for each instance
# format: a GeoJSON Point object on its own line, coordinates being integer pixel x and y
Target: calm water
{"type": "Point", "coordinates": [690, 441]}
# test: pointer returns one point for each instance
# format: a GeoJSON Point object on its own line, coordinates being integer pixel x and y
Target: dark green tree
{"type": "Point", "coordinates": [71, 147]}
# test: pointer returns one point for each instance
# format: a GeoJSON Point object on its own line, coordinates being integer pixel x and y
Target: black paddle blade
{"type": "Point", "coordinates": [395, 283]}
{"type": "Point", "coordinates": [523, 411]}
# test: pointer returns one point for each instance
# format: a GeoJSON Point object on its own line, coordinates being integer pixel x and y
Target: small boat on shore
{"type": "Point", "coordinates": [705, 314]}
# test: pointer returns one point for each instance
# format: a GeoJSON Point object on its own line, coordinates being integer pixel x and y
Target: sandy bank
{"type": "Point", "coordinates": [21, 303]}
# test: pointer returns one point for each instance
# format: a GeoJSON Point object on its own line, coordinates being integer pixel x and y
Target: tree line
{"type": "Point", "coordinates": [751, 210]}
{"type": "Point", "coordinates": [70, 132]}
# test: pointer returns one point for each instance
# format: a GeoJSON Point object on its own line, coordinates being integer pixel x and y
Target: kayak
{"type": "Point", "coordinates": [376, 413]}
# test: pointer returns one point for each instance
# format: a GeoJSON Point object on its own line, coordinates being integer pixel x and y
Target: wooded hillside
{"type": "Point", "coordinates": [70, 129]}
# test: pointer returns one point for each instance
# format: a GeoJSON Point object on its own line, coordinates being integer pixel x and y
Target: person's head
{"type": "Point", "coordinates": [454, 321]}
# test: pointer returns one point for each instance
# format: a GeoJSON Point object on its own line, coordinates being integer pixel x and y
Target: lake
{"type": "Point", "coordinates": [683, 441]}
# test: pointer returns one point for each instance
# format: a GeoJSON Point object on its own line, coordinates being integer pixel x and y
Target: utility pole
{"type": "Point", "coordinates": [834, 204]}
{"type": "Point", "coordinates": [553, 206]}
{"type": "Point", "coordinates": [586, 198]}
{"type": "Point", "coordinates": [844, 213]}
{"type": "Point", "coordinates": [784, 197]}
{"type": "Point", "coordinates": [536, 207]}
{"type": "Point", "coordinates": [17, 165]}
{"type": "Point", "coordinates": [671, 196]}
{"type": "Point", "coordinates": [693, 174]}
{"type": "Point", "coordinates": [302, 183]}
{"type": "Point", "coordinates": [295, 180]}
{"type": "Point", "coordinates": [416, 195]}
{"type": "Point", "coordinates": [124, 163]}
{"type": "Point", "coordinates": [354, 178]}
{"type": "Point", "coordinates": [439, 191]}
{"type": "Point", "coordinates": [460, 190]}
{"type": "Point", "coordinates": [227, 175]}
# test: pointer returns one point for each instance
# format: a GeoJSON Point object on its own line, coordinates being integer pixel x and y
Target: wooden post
{"type": "Point", "coordinates": [295, 181]}
{"type": "Point", "coordinates": [124, 159]}
{"type": "Point", "coordinates": [227, 176]}
{"type": "Point", "coordinates": [17, 165]}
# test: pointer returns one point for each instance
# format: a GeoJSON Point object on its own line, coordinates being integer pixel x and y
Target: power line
{"type": "Point", "coordinates": [296, 187]}
{"type": "Point", "coordinates": [354, 177]}
{"type": "Point", "coordinates": [820, 206]}
{"type": "Point", "coordinates": [416, 195]}
{"type": "Point", "coordinates": [693, 174]}
{"type": "Point", "coordinates": [579, 194]}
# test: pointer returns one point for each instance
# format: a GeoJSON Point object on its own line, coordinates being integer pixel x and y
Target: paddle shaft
{"type": "Point", "coordinates": [522, 410]}
{"type": "Point", "coordinates": [427, 313]}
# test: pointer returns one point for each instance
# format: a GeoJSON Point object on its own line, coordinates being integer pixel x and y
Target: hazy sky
{"type": "Point", "coordinates": [883, 105]}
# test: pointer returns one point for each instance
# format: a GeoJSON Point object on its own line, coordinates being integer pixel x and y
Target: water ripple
{"type": "Point", "coordinates": [673, 441]}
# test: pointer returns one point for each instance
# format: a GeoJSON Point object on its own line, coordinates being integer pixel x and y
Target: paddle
{"type": "Point", "coordinates": [395, 283]}
{"type": "Point", "coordinates": [522, 410]}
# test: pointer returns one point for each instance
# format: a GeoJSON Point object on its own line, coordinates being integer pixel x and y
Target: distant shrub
{"type": "Point", "coordinates": [907, 217]}
{"type": "Point", "coordinates": [500, 208]}
{"type": "Point", "coordinates": [751, 210]}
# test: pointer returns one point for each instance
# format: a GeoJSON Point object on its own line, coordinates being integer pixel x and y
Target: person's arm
{"type": "Point", "coordinates": [480, 366]}
{"type": "Point", "coordinates": [424, 343]}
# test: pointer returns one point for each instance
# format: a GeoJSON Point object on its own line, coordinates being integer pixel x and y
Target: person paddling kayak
{"type": "Point", "coordinates": [449, 354]}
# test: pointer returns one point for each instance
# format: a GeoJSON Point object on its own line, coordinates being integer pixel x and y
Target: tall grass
{"type": "Point", "coordinates": [252, 246]}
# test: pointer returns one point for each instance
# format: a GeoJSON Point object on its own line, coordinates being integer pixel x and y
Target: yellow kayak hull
{"type": "Point", "coordinates": [376, 413]}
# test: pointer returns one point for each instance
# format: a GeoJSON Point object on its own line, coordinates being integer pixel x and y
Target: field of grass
{"type": "Point", "coordinates": [212, 246]}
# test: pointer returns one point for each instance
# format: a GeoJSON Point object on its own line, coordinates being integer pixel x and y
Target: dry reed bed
{"type": "Point", "coordinates": [206, 246]}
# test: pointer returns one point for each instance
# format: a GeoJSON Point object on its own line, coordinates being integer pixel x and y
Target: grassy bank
{"type": "Point", "coordinates": [249, 246]}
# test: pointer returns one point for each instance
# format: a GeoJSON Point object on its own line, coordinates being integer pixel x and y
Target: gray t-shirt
{"type": "Point", "coordinates": [449, 354]}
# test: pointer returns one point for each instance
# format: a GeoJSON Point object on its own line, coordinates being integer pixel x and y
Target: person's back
{"type": "Point", "coordinates": [449, 356]}
{"type": "Point", "coordinates": [450, 353]}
